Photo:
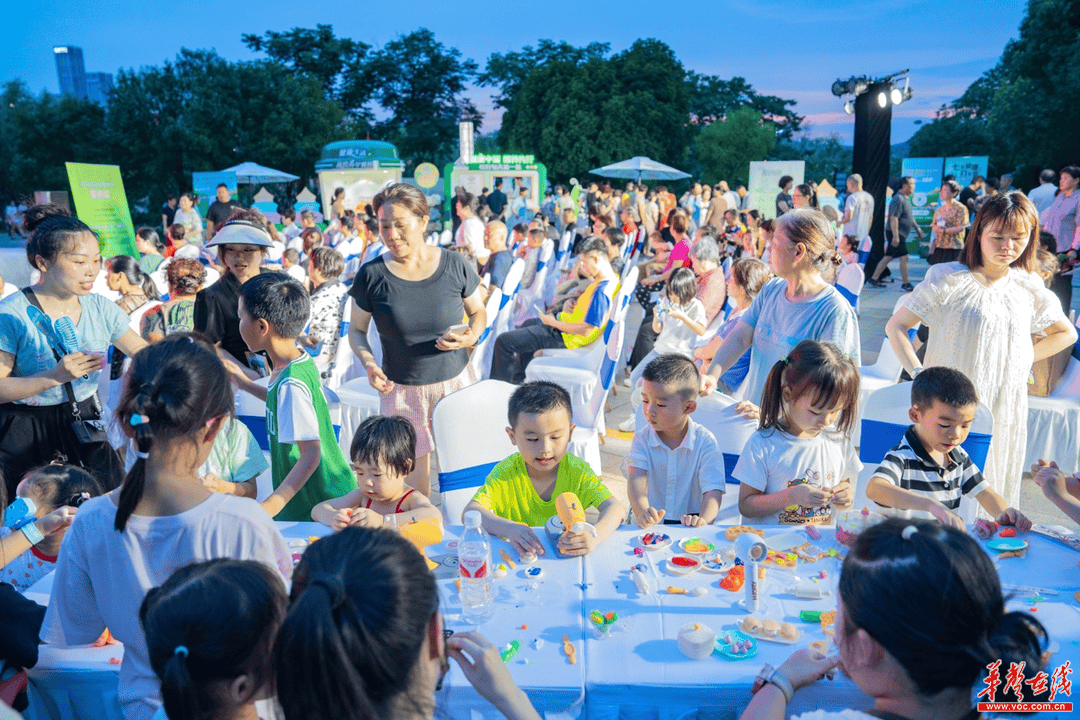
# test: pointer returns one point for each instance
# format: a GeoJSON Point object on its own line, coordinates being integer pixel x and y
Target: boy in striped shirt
{"type": "Point", "coordinates": [928, 472]}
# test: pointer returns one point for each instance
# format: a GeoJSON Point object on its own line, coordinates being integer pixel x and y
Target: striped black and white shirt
{"type": "Point", "coordinates": [909, 466]}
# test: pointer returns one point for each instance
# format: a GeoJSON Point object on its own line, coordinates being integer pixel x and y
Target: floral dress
{"type": "Point", "coordinates": [985, 332]}
{"type": "Point", "coordinates": [954, 214]}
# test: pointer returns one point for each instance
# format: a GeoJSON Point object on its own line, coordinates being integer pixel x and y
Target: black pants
{"type": "Point", "coordinates": [943, 255]}
{"type": "Point", "coordinates": [645, 340]}
{"type": "Point", "coordinates": [34, 436]}
{"type": "Point", "coordinates": [514, 350]}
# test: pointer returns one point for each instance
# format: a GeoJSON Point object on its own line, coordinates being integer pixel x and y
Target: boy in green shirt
{"type": "Point", "coordinates": [520, 492]}
{"type": "Point", "coordinates": [306, 463]}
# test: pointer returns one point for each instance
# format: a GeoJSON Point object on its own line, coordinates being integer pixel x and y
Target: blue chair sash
{"type": "Point", "coordinates": [878, 438]}
{"type": "Point", "coordinates": [730, 460]}
{"type": "Point", "coordinates": [850, 296]}
{"type": "Point", "coordinates": [468, 477]}
{"type": "Point", "coordinates": [257, 425]}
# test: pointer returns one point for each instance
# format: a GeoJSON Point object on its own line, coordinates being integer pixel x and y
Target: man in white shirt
{"type": "Point", "coordinates": [290, 263]}
{"type": "Point", "coordinates": [289, 228]}
{"type": "Point", "coordinates": [734, 202]}
{"type": "Point", "coordinates": [471, 231]}
{"type": "Point", "coordinates": [1043, 196]}
{"type": "Point", "coordinates": [858, 208]}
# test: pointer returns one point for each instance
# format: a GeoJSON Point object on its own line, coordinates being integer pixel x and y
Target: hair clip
{"type": "Point", "coordinates": [137, 420]}
{"type": "Point", "coordinates": [785, 360]}
{"type": "Point", "coordinates": [181, 651]}
{"type": "Point", "coordinates": [333, 586]}
{"type": "Point", "coordinates": [908, 531]}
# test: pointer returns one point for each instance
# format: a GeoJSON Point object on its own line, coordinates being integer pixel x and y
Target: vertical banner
{"type": "Point", "coordinates": [764, 183]}
{"type": "Point", "coordinates": [924, 201]}
{"type": "Point", "coordinates": [205, 186]}
{"type": "Point", "coordinates": [101, 203]}
{"type": "Point", "coordinates": [965, 168]}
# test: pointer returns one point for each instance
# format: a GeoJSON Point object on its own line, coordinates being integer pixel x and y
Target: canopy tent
{"type": "Point", "coordinates": [640, 168]}
{"type": "Point", "coordinates": [250, 173]}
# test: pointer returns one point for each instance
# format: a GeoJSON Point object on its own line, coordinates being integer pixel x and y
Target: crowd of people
{"type": "Point", "coordinates": [143, 496]}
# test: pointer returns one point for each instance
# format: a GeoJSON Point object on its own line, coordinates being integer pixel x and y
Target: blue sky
{"type": "Point", "coordinates": [791, 49]}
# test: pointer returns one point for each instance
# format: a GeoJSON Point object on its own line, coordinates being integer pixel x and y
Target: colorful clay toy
{"type": "Point", "coordinates": [683, 564]}
{"type": "Point", "coordinates": [1007, 532]}
{"type": "Point", "coordinates": [603, 621]}
{"type": "Point", "coordinates": [735, 579]}
{"type": "Point", "coordinates": [735, 645]}
{"type": "Point", "coordinates": [696, 546]}
{"type": "Point", "coordinates": [510, 651]}
{"type": "Point", "coordinates": [572, 514]}
{"type": "Point", "coordinates": [569, 650]}
{"type": "Point", "coordinates": [654, 541]}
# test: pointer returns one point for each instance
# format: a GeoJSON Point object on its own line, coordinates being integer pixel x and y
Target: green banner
{"type": "Point", "coordinates": [100, 202]}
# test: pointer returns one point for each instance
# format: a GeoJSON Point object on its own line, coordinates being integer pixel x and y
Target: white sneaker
{"type": "Point", "coordinates": [627, 425]}
{"type": "Point", "coordinates": [626, 381]}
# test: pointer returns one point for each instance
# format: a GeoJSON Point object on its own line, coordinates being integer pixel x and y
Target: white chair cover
{"type": "Point", "coordinates": [851, 278]}
{"type": "Point", "coordinates": [716, 412]}
{"type": "Point", "coordinates": [480, 358]}
{"type": "Point", "coordinates": [470, 436]}
{"type": "Point", "coordinates": [589, 414]}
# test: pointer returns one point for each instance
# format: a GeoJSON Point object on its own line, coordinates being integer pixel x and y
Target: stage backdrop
{"type": "Point", "coordinates": [927, 175]}
{"type": "Point", "coordinates": [765, 183]}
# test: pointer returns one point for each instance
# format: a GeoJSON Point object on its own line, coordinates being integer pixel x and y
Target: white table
{"type": "Point", "coordinates": [549, 611]}
{"type": "Point", "coordinates": [638, 670]}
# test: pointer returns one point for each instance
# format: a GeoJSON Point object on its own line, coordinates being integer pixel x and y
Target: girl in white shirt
{"type": "Point", "coordinates": [122, 544]}
{"type": "Point", "coordinates": [914, 648]}
{"type": "Point", "coordinates": [797, 467]}
{"type": "Point", "coordinates": [679, 324]}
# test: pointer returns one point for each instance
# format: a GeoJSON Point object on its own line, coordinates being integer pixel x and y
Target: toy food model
{"type": "Point", "coordinates": [683, 564]}
{"type": "Point", "coordinates": [1008, 532]}
{"type": "Point", "coordinates": [735, 531]}
{"type": "Point", "coordinates": [821, 647]}
{"type": "Point", "coordinates": [637, 574]}
{"type": "Point", "coordinates": [696, 641]}
{"type": "Point", "coordinates": [789, 631]}
{"type": "Point", "coordinates": [572, 514]}
{"type": "Point", "coordinates": [106, 638]}
{"type": "Point", "coordinates": [850, 523]}
{"type": "Point", "coordinates": [603, 621]}
{"type": "Point", "coordinates": [534, 572]}
{"type": "Point", "coordinates": [828, 620]}
{"type": "Point", "coordinates": [812, 532]}
{"type": "Point", "coordinates": [499, 571]}
{"type": "Point", "coordinates": [421, 533]}
{"type": "Point", "coordinates": [696, 546]}
{"type": "Point", "coordinates": [569, 650]}
{"type": "Point", "coordinates": [770, 627]}
{"type": "Point", "coordinates": [510, 651]}
{"type": "Point", "coordinates": [750, 624]}
{"type": "Point", "coordinates": [985, 529]}
{"type": "Point", "coordinates": [507, 559]}
{"type": "Point", "coordinates": [735, 578]}
{"type": "Point", "coordinates": [528, 558]}
{"type": "Point", "coordinates": [654, 541]}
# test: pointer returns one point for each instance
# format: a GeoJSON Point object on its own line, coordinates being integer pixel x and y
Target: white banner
{"type": "Point", "coordinates": [765, 183]}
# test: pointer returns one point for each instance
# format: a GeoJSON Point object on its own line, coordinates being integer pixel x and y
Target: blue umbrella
{"type": "Point", "coordinates": [640, 168]}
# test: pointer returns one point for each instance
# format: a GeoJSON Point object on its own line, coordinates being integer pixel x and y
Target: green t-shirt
{"type": "Point", "coordinates": [509, 493]}
{"type": "Point", "coordinates": [296, 410]}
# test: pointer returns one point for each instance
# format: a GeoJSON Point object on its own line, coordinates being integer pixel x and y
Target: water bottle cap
{"type": "Point", "coordinates": [472, 519]}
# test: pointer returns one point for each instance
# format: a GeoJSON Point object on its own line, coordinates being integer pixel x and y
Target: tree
{"type": "Point", "coordinates": [578, 110]}
{"type": "Point", "coordinates": [824, 157]}
{"type": "Point", "coordinates": [421, 83]}
{"type": "Point", "coordinates": [339, 64]}
{"type": "Point", "coordinates": [508, 72]}
{"type": "Point", "coordinates": [712, 97]}
{"type": "Point", "coordinates": [726, 147]}
{"type": "Point", "coordinates": [1018, 111]}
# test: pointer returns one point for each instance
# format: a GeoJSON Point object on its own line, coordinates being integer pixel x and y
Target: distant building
{"type": "Point", "coordinates": [98, 85]}
{"type": "Point", "coordinates": [71, 70]}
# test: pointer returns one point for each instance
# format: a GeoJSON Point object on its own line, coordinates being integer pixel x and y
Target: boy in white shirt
{"type": "Point", "coordinates": [675, 469]}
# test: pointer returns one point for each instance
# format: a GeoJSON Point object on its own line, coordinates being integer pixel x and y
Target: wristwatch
{"type": "Point", "coordinates": [30, 530]}
{"type": "Point", "coordinates": [770, 675]}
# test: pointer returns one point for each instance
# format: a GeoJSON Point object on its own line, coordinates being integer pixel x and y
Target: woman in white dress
{"type": "Point", "coordinates": [983, 312]}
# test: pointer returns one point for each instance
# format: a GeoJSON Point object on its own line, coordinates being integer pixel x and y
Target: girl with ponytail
{"type": "Point", "coordinates": [363, 638]}
{"type": "Point", "coordinates": [210, 629]}
{"type": "Point", "coordinates": [175, 400]}
{"type": "Point", "coordinates": [920, 616]}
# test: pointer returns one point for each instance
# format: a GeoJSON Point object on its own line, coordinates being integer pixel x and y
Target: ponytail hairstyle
{"type": "Point", "coordinates": [130, 268]}
{"type": "Point", "coordinates": [56, 485]}
{"type": "Point", "coordinates": [52, 231]}
{"type": "Point", "coordinates": [810, 229]}
{"type": "Point", "coordinates": [821, 368]}
{"type": "Point", "coordinates": [811, 197]}
{"type": "Point", "coordinates": [931, 597]}
{"type": "Point", "coordinates": [209, 622]}
{"type": "Point", "coordinates": [361, 603]}
{"type": "Point", "coordinates": [150, 235]}
{"type": "Point", "coordinates": [174, 388]}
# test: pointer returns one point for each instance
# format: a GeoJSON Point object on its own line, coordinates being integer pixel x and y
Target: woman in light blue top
{"type": "Point", "coordinates": [798, 305]}
{"type": "Point", "coordinates": [53, 340]}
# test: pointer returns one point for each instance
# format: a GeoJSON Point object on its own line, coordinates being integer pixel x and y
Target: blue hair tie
{"type": "Point", "coordinates": [137, 420]}
{"type": "Point", "coordinates": [181, 651]}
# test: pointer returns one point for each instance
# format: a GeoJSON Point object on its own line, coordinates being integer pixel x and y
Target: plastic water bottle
{"type": "Point", "coordinates": [474, 565]}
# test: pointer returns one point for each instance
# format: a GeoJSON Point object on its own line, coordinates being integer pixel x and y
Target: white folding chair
{"type": "Point", "coordinates": [533, 295]}
{"type": "Point", "coordinates": [884, 422]}
{"type": "Point", "coordinates": [510, 286]}
{"type": "Point", "coordinates": [716, 413]}
{"type": "Point", "coordinates": [849, 282]}
{"type": "Point", "coordinates": [468, 450]}
{"type": "Point", "coordinates": [585, 442]}
{"type": "Point", "coordinates": [480, 359]}
{"type": "Point", "coordinates": [446, 238]}
{"type": "Point", "coordinates": [345, 365]}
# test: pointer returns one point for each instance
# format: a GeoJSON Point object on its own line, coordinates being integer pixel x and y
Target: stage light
{"type": "Point", "coordinates": [849, 107]}
{"type": "Point", "coordinates": [882, 99]}
{"type": "Point", "coordinates": [896, 96]}
{"type": "Point", "coordinates": [839, 88]}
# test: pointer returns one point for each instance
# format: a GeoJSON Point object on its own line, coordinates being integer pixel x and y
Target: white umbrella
{"type": "Point", "coordinates": [250, 173]}
{"type": "Point", "coordinates": [640, 168]}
